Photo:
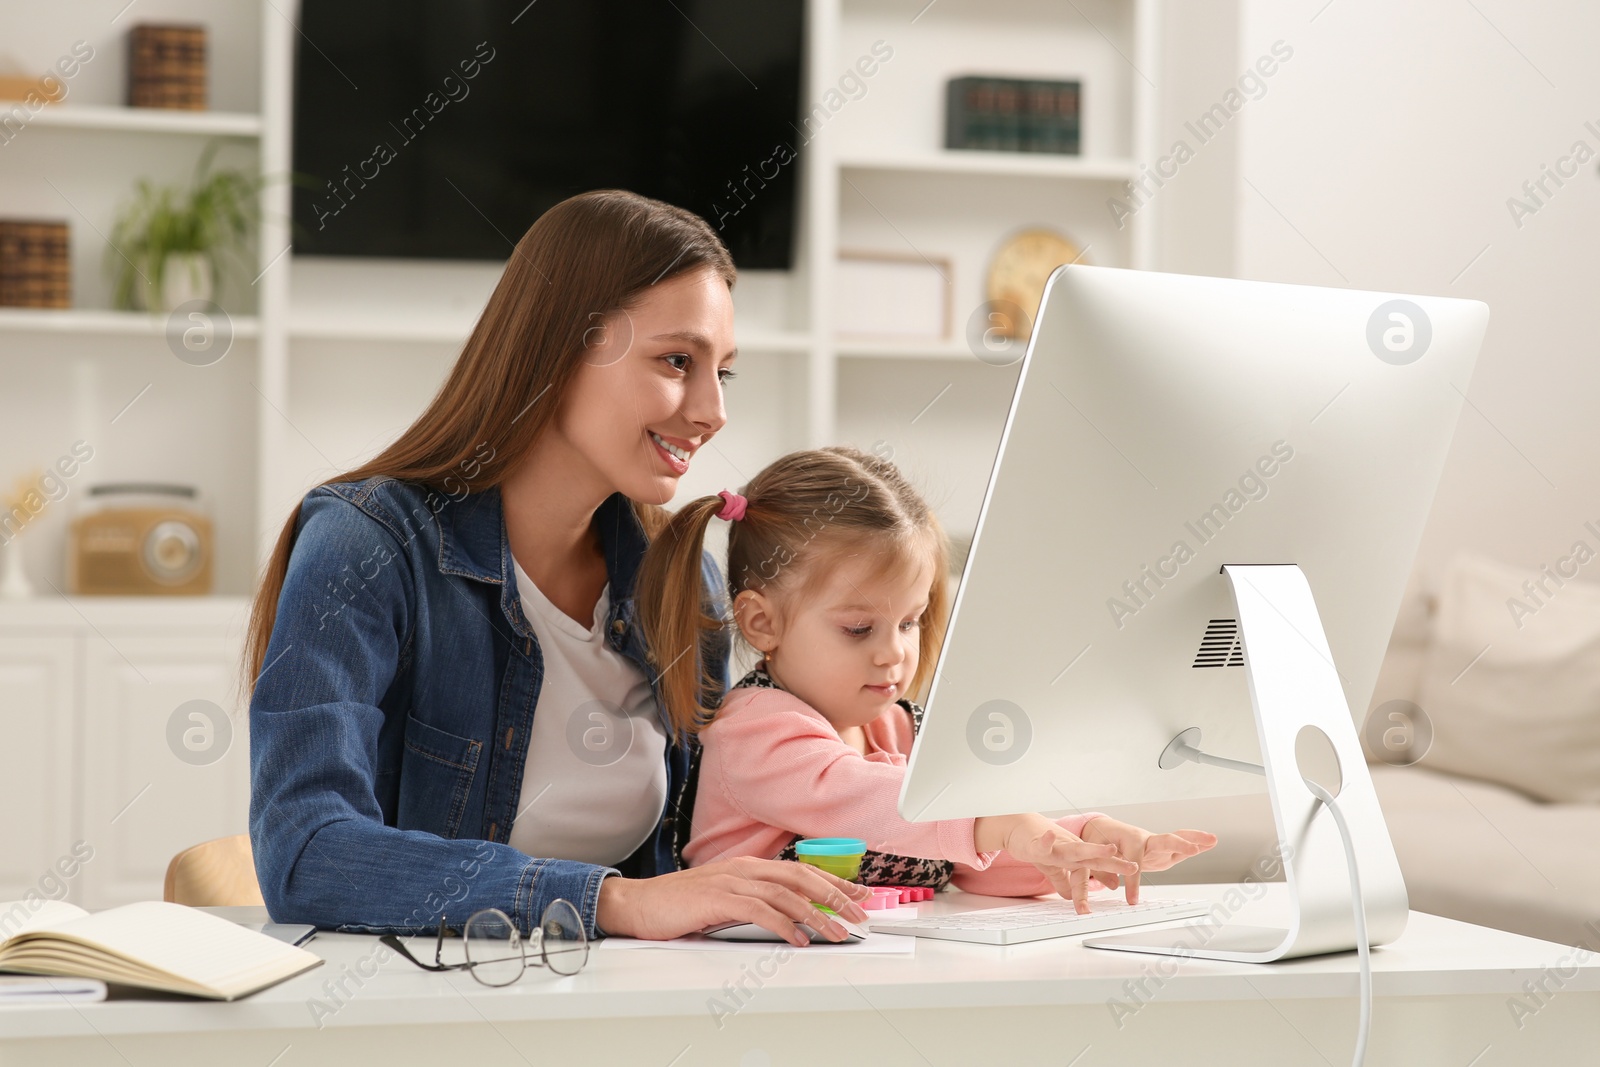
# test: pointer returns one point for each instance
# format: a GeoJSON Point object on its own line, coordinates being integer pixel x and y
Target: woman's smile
{"type": "Point", "coordinates": [674, 451]}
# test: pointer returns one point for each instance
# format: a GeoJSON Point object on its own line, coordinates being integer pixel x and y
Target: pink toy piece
{"type": "Point", "coordinates": [907, 894]}
{"type": "Point", "coordinates": [881, 900]}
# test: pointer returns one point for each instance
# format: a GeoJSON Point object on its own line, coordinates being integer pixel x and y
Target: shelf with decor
{"type": "Point", "coordinates": [134, 104]}
{"type": "Point", "coordinates": [979, 225]}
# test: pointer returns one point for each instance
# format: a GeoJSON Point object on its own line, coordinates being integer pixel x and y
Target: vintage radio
{"type": "Point", "coordinates": [140, 539]}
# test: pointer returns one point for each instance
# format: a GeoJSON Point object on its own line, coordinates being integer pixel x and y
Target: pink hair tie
{"type": "Point", "coordinates": [733, 506]}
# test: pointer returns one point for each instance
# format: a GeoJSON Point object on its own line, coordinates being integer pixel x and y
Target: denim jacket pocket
{"type": "Point", "coordinates": [436, 779]}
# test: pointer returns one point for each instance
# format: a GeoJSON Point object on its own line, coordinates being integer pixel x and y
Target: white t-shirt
{"type": "Point", "coordinates": [595, 781]}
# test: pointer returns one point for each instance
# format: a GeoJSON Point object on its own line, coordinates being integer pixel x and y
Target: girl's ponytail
{"type": "Point", "coordinates": [672, 612]}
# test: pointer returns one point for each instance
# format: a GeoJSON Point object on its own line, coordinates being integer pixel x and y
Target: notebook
{"type": "Point", "coordinates": [150, 944]}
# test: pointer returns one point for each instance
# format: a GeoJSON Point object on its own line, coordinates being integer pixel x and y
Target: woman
{"type": "Point", "coordinates": [451, 707]}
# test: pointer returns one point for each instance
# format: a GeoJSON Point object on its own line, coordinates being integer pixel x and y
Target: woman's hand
{"type": "Point", "coordinates": [774, 894]}
{"type": "Point", "coordinates": [1151, 852]}
{"type": "Point", "coordinates": [1063, 858]}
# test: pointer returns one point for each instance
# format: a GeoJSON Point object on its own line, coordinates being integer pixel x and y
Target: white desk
{"type": "Point", "coordinates": [1443, 995]}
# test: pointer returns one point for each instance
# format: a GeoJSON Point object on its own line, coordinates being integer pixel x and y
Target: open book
{"type": "Point", "coordinates": [150, 944]}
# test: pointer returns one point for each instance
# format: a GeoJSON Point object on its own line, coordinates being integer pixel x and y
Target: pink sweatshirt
{"type": "Point", "coordinates": [773, 768]}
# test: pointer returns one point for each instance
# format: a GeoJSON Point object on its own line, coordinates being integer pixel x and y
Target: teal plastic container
{"type": "Point", "coordinates": [839, 856]}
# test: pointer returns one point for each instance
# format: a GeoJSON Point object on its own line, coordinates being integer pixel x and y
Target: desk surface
{"type": "Point", "coordinates": [363, 984]}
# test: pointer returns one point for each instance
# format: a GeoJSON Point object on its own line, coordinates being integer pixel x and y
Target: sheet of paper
{"type": "Point", "coordinates": [875, 945]}
{"type": "Point", "coordinates": [37, 991]}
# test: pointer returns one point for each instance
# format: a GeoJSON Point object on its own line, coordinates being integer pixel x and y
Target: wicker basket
{"type": "Point", "coordinates": [35, 265]}
{"type": "Point", "coordinates": [167, 66]}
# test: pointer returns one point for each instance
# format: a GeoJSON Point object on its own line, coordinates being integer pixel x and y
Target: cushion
{"type": "Point", "coordinates": [1485, 854]}
{"type": "Point", "coordinates": [1511, 680]}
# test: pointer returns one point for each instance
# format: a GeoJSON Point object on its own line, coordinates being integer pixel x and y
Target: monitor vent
{"type": "Point", "coordinates": [1220, 646]}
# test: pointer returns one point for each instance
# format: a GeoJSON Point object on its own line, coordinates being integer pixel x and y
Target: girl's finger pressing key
{"type": "Point", "coordinates": [1079, 882]}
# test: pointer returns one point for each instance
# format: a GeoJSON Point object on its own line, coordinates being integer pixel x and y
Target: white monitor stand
{"type": "Point", "coordinates": [1295, 691]}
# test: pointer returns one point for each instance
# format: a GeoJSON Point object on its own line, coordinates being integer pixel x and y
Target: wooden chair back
{"type": "Point", "coordinates": [214, 873]}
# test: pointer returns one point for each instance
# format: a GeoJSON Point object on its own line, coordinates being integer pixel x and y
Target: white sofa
{"type": "Point", "coordinates": [1522, 722]}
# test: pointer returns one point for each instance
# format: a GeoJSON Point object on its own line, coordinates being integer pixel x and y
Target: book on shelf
{"type": "Point", "coordinates": [150, 944]}
{"type": "Point", "coordinates": [1012, 114]}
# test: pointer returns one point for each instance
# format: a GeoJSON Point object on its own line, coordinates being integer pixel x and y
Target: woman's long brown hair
{"type": "Point", "coordinates": [803, 511]}
{"type": "Point", "coordinates": [589, 255]}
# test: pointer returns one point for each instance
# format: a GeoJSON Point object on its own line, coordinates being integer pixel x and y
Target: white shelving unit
{"type": "Point", "coordinates": [338, 355]}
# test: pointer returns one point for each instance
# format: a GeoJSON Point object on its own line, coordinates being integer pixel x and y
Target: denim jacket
{"type": "Point", "coordinates": [389, 727]}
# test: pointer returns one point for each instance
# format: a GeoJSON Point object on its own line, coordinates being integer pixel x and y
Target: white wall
{"type": "Point", "coordinates": [1197, 228]}
{"type": "Point", "coordinates": [1382, 157]}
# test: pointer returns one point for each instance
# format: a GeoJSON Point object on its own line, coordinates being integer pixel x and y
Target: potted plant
{"type": "Point", "coordinates": [170, 245]}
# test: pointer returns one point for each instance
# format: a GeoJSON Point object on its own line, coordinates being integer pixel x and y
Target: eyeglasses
{"type": "Point", "coordinates": [496, 951]}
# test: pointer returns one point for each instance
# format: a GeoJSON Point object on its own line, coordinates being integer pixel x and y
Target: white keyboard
{"type": "Point", "coordinates": [1035, 922]}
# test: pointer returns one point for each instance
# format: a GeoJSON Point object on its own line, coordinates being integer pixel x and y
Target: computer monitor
{"type": "Point", "coordinates": [1166, 427]}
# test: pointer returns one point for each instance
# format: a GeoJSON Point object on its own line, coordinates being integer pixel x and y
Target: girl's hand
{"type": "Point", "coordinates": [1151, 852]}
{"type": "Point", "coordinates": [1063, 858]}
{"type": "Point", "coordinates": [774, 894]}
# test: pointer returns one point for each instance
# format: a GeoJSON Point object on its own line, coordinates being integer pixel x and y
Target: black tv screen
{"type": "Point", "coordinates": [444, 128]}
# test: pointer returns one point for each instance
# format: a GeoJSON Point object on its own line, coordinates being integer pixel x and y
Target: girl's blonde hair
{"type": "Point", "coordinates": [804, 509]}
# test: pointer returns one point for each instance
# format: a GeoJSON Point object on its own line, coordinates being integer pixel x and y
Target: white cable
{"type": "Point", "coordinates": [1364, 1027]}
{"type": "Point", "coordinates": [1182, 750]}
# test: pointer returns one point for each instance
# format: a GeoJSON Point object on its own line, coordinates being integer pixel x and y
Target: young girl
{"type": "Point", "coordinates": [836, 573]}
